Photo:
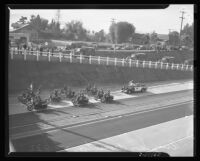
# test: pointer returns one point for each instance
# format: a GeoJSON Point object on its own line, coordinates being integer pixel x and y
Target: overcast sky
{"type": "Point", "coordinates": [145, 21]}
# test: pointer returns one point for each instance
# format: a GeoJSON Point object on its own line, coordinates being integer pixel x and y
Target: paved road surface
{"type": "Point", "coordinates": [62, 138]}
{"type": "Point", "coordinates": [156, 138]}
{"type": "Point", "coordinates": [66, 115]}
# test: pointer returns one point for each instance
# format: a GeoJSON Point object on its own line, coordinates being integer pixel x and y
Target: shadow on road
{"type": "Point", "coordinates": [118, 103]}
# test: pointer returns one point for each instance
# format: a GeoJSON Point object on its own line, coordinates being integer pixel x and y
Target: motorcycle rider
{"type": "Point", "coordinates": [89, 86]}
{"type": "Point", "coordinates": [30, 90]}
{"type": "Point", "coordinates": [131, 83]}
{"type": "Point", "coordinates": [65, 88]}
{"type": "Point", "coordinates": [99, 93]}
{"type": "Point", "coordinates": [108, 93]}
{"type": "Point", "coordinates": [56, 93]}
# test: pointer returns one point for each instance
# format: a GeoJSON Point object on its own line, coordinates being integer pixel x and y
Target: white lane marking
{"type": "Point", "coordinates": [171, 143]}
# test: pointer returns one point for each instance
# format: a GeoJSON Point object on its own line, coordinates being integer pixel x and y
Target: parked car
{"type": "Point", "coordinates": [167, 59]}
{"type": "Point", "coordinates": [189, 62]}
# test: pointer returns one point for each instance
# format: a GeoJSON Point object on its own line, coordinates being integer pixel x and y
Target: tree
{"type": "Point", "coordinates": [174, 38]}
{"type": "Point", "coordinates": [21, 22]}
{"type": "Point", "coordinates": [125, 31]}
{"type": "Point", "coordinates": [54, 27]}
{"type": "Point", "coordinates": [38, 23]}
{"type": "Point", "coordinates": [16, 25]}
{"type": "Point", "coordinates": [121, 32]}
{"type": "Point", "coordinates": [142, 39]}
{"type": "Point", "coordinates": [153, 37]}
{"type": "Point", "coordinates": [187, 35]}
{"type": "Point", "coordinates": [99, 36]}
{"type": "Point", "coordinates": [74, 30]}
{"type": "Point", "coordinates": [146, 39]}
{"type": "Point", "coordinates": [112, 31]}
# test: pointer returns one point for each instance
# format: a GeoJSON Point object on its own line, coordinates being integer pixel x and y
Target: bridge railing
{"type": "Point", "coordinates": [72, 58]}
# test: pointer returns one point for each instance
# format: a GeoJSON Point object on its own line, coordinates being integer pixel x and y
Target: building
{"type": "Point", "coordinates": [23, 34]}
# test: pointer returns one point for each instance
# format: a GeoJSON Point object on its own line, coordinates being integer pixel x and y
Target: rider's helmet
{"type": "Point", "coordinates": [65, 87]}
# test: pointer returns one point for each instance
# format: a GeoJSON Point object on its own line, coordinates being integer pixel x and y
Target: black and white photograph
{"type": "Point", "coordinates": [101, 80]}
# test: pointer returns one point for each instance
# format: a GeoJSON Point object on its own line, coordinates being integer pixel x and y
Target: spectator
{"type": "Point", "coordinates": [28, 49]}
{"type": "Point", "coordinates": [31, 48]}
{"type": "Point", "coordinates": [18, 48]}
{"type": "Point", "coordinates": [25, 46]}
{"type": "Point", "coordinates": [52, 50]}
{"type": "Point", "coordinates": [41, 50]}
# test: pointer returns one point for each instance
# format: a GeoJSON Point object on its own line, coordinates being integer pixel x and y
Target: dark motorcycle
{"type": "Point", "coordinates": [99, 94]}
{"type": "Point", "coordinates": [37, 103]}
{"type": "Point", "coordinates": [80, 100]}
{"type": "Point", "coordinates": [107, 98]}
{"type": "Point", "coordinates": [55, 96]}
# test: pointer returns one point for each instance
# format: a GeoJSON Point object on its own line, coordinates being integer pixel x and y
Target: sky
{"type": "Point", "coordinates": [145, 21]}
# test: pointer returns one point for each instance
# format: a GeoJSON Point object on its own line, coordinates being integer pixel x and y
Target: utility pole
{"type": "Point", "coordinates": [182, 17]}
{"type": "Point", "coordinates": [113, 21]}
{"type": "Point", "coordinates": [57, 16]}
{"type": "Point", "coordinates": [181, 21]}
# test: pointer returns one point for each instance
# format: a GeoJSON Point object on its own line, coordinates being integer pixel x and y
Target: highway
{"type": "Point", "coordinates": [64, 127]}
{"type": "Point", "coordinates": [64, 115]}
{"type": "Point", "coordinates": [61, 138]}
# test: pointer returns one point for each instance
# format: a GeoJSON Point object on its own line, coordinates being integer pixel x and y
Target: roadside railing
{"type": "Point", "coordinates": [69, 56]}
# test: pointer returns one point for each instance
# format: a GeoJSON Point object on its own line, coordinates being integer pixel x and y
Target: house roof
{"type": "Point", "coordinates": [20, 28]}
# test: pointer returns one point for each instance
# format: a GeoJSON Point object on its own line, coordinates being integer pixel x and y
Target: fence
{"type": "Point", "coordinates": [72, 58]}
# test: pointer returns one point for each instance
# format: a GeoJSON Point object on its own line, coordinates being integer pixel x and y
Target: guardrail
{"type": "Point", "coordinates": [64, 57]}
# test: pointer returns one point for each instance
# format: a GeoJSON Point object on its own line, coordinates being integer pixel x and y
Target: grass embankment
{"type": "Point", "coordinates": [54, 74]}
